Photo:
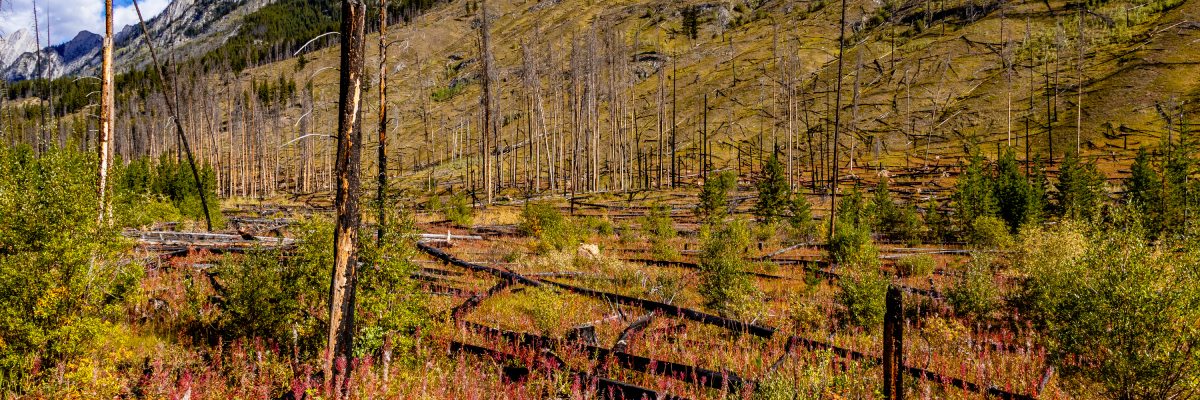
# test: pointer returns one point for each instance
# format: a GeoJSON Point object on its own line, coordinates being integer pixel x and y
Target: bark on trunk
{"type": "Point", "coordinates": [106, 112]}
{"type": "Point", "coordinates": [349, 151]}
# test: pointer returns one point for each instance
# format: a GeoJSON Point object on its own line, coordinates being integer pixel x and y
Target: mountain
{"type": "Point", "coordinates": [77, 54]}
{"type": "Point", "coordinates": [14, 45]}
{"type": "Point", "coordinates": [186, 28]}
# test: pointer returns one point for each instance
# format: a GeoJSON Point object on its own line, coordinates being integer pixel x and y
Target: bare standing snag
{"type": "Point", "coordinates": [349, 152]}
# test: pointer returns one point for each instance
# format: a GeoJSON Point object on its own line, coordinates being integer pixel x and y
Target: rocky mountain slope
{"type": "Point", "coordinates": [186, 28]}
{"type": "Point", "coordinates": [14, 45]}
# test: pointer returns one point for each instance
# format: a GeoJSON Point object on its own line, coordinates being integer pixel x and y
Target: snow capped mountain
{"type": "Point", "coordinates": [186, 28]}
{"type": "Point", "coordinates": [14, 45]}
{"type": "Point", "coordinates": [63, 59]}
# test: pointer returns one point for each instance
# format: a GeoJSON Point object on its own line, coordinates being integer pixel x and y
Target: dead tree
{"type": "Point", "coordinates": [485, 56]}
{"type": "Point", "coordinates": [43, 135]}
{"type": "Point", "coordinates": [169, 97]}
{"type": "Point", "coordinates": [106, 111]}
{"type": "Point", "coordinates": [837, 122]}
{"type": "Point", "coordinates": [349, 151]}
{"type": "Point", "coordinates": [383, 8]}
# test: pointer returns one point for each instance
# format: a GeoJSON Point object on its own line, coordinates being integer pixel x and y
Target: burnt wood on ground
{"type": "Point", "coordinates": [636, 362]}
{"type": "Point", "coordinates": [828, 275]}
{"type": "Point", "coordinates": [682, 372]}
{"type": "Point", "coordinates": [443, 290]}
{"type": "Point", "coordinates": [449, 259]}
{"type": "Point", "coordinates": [608, 388]}
{"type": "Point", "coordinates": [467, 306]}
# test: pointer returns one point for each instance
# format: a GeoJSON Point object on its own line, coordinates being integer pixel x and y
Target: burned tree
{"type": "Point", "coordinates": [383, 109]}
{"type": "Point", "coordinates": [106, 111]}
{"type": "Point", "coordinates": [485, 56]}
{"type": "Point", "coordinates": [349, 151]}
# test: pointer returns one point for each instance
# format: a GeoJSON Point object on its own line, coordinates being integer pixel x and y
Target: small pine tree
{"type": "Point", "coordinates": [1080, 189]}
{"type": "Point", "coordinates": [1142, 186]}
{"type": "Point", "coordinates": [773, 192]}
{"type": "Point", "coordinates": [714, 197]}
{"type": "Point", "coordinates": [974, 196]}
{"type": "Point", "coordinates": [938, 222]}
{"type": "Point", "coordinates": [852, 209]}
{"type": "Point", "coordinates": [1018, 200]}
{"type": "Point", "coordinates": [882, 211]}
{"type": "Point", "coordinates": [726, 287]}
{"type": "Point", "coordinates": [801, 218]}
{"type": "Point", "coordinates": [691, 21]}
{"type": "Point", "coordinates": [1178, 192]}
{"type": "Point", "coordinates": [1143, 191]}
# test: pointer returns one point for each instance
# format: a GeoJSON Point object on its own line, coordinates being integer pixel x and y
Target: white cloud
{"type": "Point", "coordinates": [67, 17]}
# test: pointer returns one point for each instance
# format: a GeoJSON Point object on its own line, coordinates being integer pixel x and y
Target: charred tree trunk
{"type": "Point", "coordinates": [349, 151]}
{"type": "Point", "coordinates": [169, 97]}
{"type": "Point", "coordinates": [383, 8]}
{"type": "Point", "coordinates": [485, 55]}
{"type": "Point", "coordinates": [106, 111]}
{"type": "Point", "coordinates": [837, 123]}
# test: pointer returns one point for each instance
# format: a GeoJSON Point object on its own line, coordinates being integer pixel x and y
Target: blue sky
{"type": "Point", "coordinates": [67, 17]}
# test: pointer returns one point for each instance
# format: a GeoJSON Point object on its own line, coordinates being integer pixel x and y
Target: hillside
{"type": "Point", "coordinates": [917, 85]}
{"type": "Point", "coordinates": [922, 83]}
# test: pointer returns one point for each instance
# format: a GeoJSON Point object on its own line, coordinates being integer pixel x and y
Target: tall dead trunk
{"type": "Point", "coordinates": [485, 55]}
{"type": "Point", "coordinates": [349, 150]}
{"type": "Point", "coordinates": [170, 98]}
{"type": "Point", "coordinates": [106, 111]}
{"type": "Point", "coordinates": [837, 123]}
{"type": "Point", "coordinates": [382, 165]}
{"type": "Point", "coordinates": [661, 121]}
{"type": "Point", "coordinates": [674, 127]}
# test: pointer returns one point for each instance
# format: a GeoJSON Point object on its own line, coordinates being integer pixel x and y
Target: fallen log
{"type": "Point", "coordinates": [608, 388]}
{"type": "Point", "coordinates": [449, 259]}
{"type": "Point", "coordinates": [699, 375]}
{"type": "Point", "coordinates": [681, 372]}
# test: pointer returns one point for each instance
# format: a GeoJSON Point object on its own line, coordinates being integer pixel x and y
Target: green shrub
{"type": "Point", "coordinates": [549, 226]}
{"type": "Point", "coordinates": [625, 233]}
{"type": "Point", "coordinates": [776, 387]}
{"type": "Point", "coordinates": [852, 244]}
{"type": "Point", "coordinates": [60, 279]}
{"type": "Point", "coordinates": [774, 194]}
{"type": "Point", "coordinates": [658, 223]}
{"type": "Point", "coordinates": [667, 287]}
{"type": "Point", "coordinates": [724, 284]}
{"type": "Point", "coordinates": [459, 211]}
{"type": "Point", "coordinates": [920, 265]}
{"type": "Point", "coordinates": [600, 225]}
{"type": "Point", "coordinates": [804, 315]}
{"type": "Point", "coordinates": [975, 294]}
{"type": "Point", "coordinates": [660, 228]}
{"type": "Point", "coordinates": [545, 308]}
{"type": "Point", "coordinates": [1113, 309]}
{"type": "Point", "coordinates": [286, 298]}
{"type": "Point", "coordinates": [263, 298]}
{"type": "Point", "coordinates": [714, 197]}
{"type": "Point", "coordinates": [990, 232]}
{"type": "Point", "coordinates": [168, 179]}
{"type": "Point", "coordinates": [447, 93]}
{"type": "Point", "coordinates": [862, 293]}
{"type": "Point", "coordinates": [138, 211]}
